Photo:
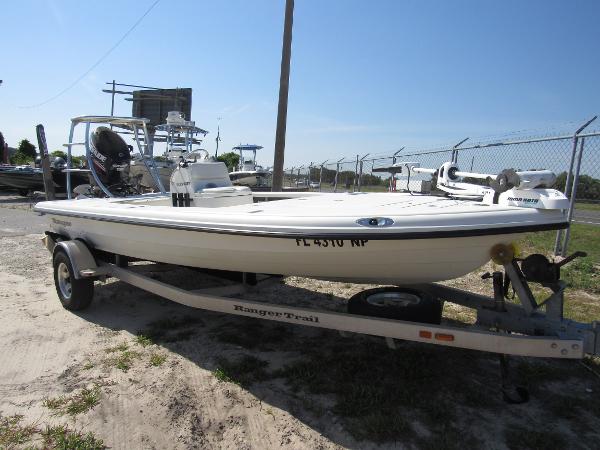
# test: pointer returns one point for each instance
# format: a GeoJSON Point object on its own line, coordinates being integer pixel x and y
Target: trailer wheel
{"type": "Point", "coordinates": [74, 294]}
{"type": "Point", "coordinates": [397, 303]}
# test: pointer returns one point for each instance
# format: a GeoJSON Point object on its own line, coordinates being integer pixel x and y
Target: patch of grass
{"type": "Point", "coordinates": [78, 403]}
{"type": "Point", "coordinates": [253, 335]}
{"type": "Point", "coordinates": [537, 371]}
{"type": "Point", "coordinates": [244, 371]}
{"type": "Point", "coordinates": [61, 437]}
{"type": "Point", "coordinates": [143, 340]}
{"type": "Point", "coordinates": [587, 206]}
{"type": "Point", "coordinates": [519, 437]}
{"type": "Point", "coordinates": [119, 348]}
{"type": "Point", "coordinates": [13, 433]}
{"type": "Point", "coordinates": [124, 360]}
{"type": "Point", "coordinates": [88, 365]}
{"type": "Point", "coordinates": [449, 438]}
{"type": "Point", "coordinates": [157, 359]}
{"type": "Point", "coordinates": [378, 427]}
{"type": "Point", "coordinates": [378, 392]}
{"type": "Point", "coordinates": [583, 273]}
{"type": "Point", "coordinates": [170, 330]}
{"type": "Point", "coordinates": [222, 376]}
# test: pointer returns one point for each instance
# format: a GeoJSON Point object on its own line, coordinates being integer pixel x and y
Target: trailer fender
{"type": "Point", "coordinates": [84, 263]}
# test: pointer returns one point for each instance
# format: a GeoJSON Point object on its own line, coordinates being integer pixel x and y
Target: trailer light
{"type": "Point", "coordinates": [444, 337]}
{"type": "Point", "coordinates": [425, 334]}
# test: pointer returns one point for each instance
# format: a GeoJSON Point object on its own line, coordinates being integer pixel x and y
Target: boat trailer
{"type": "Point", "coordinates": [527, 329]}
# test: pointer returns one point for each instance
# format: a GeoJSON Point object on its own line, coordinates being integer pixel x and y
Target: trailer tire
{"type": "Point", "coordinates": [74, 294]}
{"type": "Point", "coordinates": [398, 304]}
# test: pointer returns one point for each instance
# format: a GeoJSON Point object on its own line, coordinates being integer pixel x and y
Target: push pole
{"type": "Point", "coordinates": [46, 171]}
{"type": "Point", "coordinates": [284, 85]}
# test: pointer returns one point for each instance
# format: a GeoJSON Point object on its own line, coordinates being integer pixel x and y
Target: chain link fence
{"type": "Point", "coordinates": [574, 158]}
{"type": "Point", "coordinates": [567, 156]}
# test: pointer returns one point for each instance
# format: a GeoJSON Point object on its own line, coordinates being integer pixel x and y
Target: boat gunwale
{"type": "Point", "coordinates": [353, 235]}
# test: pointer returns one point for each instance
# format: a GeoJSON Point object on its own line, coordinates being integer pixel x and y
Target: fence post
{"type": "Point", "coordinates": [455, 150]}
{"type": "Point", "coordinates": [321, 174]}
{"type": "Point", "coordinates": [393, 175]}
{"type": "Point", "coordinates": [360, 171]}
{"type": "Point", "coordinates": [573, 198]}
{"type": "Point", "coordinates": [337, 171]}
{"type": "Point", "coordinates": [558, 242]}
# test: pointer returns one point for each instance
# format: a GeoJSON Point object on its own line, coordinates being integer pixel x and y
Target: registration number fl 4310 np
{"type": "Point", "coordinates": [331, 243]}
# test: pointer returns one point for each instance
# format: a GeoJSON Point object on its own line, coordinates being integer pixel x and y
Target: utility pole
{"type": "Point", "coordinates": [284, 85]}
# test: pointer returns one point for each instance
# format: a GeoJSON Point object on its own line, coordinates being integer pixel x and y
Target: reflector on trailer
{"type": "Point", "coordinates": [444, 337]}
{"type": "Point", "coordinates": [425, 334]}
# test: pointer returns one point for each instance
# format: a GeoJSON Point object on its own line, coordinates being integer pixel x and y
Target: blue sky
{"type": "Point", "coordinates": [366, 77]}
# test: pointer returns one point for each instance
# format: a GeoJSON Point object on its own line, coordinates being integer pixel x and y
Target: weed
{"type": "Point", "coordinates": [61, 437]}
{"type": "Point", "coordinates": [581, 273]}
{"type": "Point", "coordinates": [143, 340]}
{"type": "Point", "coordinates": [88, 365]}
{"type": "Point", "coordinates": [520, 437]}
{"type": "Point", "coordinates": [124, 360]}
{"type": "Point", "coordinates": [221, 375]}
{"type": "Point", "coordinates": [13, 433]}
{"type": "Point", "coordinates": [157, 359]}
{"type": "Point", "coordinates": [252, 334]}
{"type": "Point", "coordinates": [169, 330]}
{"type": "Point", "coordinates": [377, 390]}
{"type": "Point", "coordinates": [78, 403]}
{"type": "Point", "coordinates": [244, 371]}
{"type": "Point", "coordinates": [119, 348]}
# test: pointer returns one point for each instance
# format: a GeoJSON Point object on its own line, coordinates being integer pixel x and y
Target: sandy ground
{"type": "Point", "coordinates": [46, 352]}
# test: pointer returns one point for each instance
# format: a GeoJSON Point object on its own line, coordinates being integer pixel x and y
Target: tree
{"type": "Point", "coordinates": [1, 147]}
{"type": "Point", "coordinates": [26, 148]}
{"type": "Point", "coordinates": [59, 154]}
{"type": "Point", "coordinates": [230, 159]}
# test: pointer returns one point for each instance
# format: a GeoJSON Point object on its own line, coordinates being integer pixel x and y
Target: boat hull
{"type": "Point", "coordinates": [393, 261]}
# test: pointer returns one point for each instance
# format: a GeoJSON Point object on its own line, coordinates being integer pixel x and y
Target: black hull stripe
{"type": "Point", "coordinates": [369, 236]}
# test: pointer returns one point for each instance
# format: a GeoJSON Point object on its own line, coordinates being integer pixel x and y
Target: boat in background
{"type": "Point", "coordinates": [27, 179]}
{"type": "Point", "coordinates": [182, 138]}
{"type": "Point", "coordinates": [248, 173]}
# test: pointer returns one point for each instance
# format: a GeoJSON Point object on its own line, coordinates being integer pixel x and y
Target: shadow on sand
{"type": "Point", "coordinates": [350, 389]}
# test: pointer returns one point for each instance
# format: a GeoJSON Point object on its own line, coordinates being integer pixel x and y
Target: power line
{"type": "Point", "coordinates": [99, 61]}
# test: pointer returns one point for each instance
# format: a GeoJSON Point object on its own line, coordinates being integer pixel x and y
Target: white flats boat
{"type": "Point", "coordinates": [389, 238]}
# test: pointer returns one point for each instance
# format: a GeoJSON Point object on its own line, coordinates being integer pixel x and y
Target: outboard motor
{"type": "Point", "coordinates": [110, 155]}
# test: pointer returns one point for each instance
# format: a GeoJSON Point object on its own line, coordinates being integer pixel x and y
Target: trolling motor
{"type": "Point", "coordinates": [528, 189]}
